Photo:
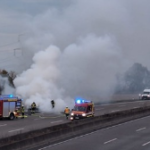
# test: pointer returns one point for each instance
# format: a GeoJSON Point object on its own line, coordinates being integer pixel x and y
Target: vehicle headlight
{"type": "Point", "coordinates": [83, 115]}
{"type": "Point", "coordinates": [72, 114]}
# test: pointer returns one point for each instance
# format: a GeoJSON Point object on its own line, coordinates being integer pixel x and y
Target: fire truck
{"type": "Point", "coordinates": [82, 109]}
{"type": "Point", "coordinates": [8, 105]}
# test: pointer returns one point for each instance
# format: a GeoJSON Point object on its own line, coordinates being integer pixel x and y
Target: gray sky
{"type": "Point", "coordinates": [63, 22]}
{"type": "Point", "coordinates": [14, 17]}
{"type": "Point", "coordinates": [97, 38]}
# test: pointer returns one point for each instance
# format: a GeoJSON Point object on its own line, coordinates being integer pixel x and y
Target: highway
{"type": "Point", "coordinates": [38, 121]}
{"type": "Point", "coordinates": [132, 135]}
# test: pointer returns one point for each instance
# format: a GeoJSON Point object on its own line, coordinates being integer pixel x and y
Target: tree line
{"type": "Point", "coordinates": [10, 76]}
{"type": "Point", "coordinates": [134, 80]}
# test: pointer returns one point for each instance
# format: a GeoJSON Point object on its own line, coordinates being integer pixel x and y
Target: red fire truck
{"type": "Point", "coordinates": [82, 109]}
{"type": "Point", "coordinates": [8, 105]}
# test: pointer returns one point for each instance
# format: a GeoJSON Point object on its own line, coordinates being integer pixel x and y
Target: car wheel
{"type": "Point", "coordinates": [11, 117]}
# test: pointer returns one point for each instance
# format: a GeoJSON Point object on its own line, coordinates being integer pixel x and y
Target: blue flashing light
{"type": "Point", "coordinates": [11, 95]}
{"type": "Point", "coordinates": [80, 101]}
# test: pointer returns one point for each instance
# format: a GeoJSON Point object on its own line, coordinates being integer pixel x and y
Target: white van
{"type": "Point", "coordinates": [145, 94]}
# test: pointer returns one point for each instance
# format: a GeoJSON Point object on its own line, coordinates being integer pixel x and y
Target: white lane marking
{"type": "Point", "coordinates": [36, 119]}
{"type": "Point", "coordinates": [110, 141]}
{"type": "Point", "coordinates": [115, 110]}
{"type": "Point", "coordinates": [16, 130]}
{"type": "Point", "coordinates": [94, 132]}
{"type": "Point", "coordinates": [57, 121]}
{"type": "Point", "coordinates": [122, 106]}
{"type": "Point", "coordinates": [146, 143]}
{"type": "Point", "coordinates": [1, 125]}
{"type": "Point", "coordinates": [135, 107]}
{"type": "Point", "coordinates": [141, 129]}
{"type": "Point", "coordinates": [99, 108]}
{"type": "Point", "coordinates": [42, 117]}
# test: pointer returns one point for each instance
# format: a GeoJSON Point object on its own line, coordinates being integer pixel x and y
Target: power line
{"type": "Point", "coordinates": [6, 50]}
{"type": "Point", "coordinates": [8, 44]}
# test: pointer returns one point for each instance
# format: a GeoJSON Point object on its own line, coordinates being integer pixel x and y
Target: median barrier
{"type": "Point", "coordinates": [46, 136]}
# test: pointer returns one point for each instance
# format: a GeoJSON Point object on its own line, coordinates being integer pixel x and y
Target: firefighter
{"type": "Point", "coordinates": [33, 107]}
{"type": "Point", "coordinates": [67, 112]}
{"type": "Point", "coordinates": [22, 111]}
{"type": "Point", "coordinates": [16, 113]}
{"type": "Point", "coordinates": [53, 103]}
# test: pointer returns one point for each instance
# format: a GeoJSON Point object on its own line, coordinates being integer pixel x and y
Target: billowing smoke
{"type": "Point", "coordinates": [86, 67]}
{"type": "Point", "coordinates": [39, 83]}
{"type": "Point", "coordinates": [92, 42]}
{"type": "Point", "coordinates": [81, 70]}
{"type": "Point", "coordinates": [5, 88]}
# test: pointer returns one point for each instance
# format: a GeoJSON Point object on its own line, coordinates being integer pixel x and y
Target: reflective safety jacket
{"type": "Point", "coordinates": [22, 110]}
{"type": "Point", "coordinates": [67, 111]}
{"type": "Point", "coordinates": [16, 112]}
{"type": "Point", "coordinates": [33, 105]}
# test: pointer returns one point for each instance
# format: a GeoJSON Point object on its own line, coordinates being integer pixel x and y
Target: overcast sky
{"type": "Point", "coordinates": [63, 22]}
{"type": "Point", "coordinates": [97, 39]}
{"type": "Point", "coordinates": [14, 18]}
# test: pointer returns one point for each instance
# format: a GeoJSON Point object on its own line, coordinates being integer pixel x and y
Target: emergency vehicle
{"type": "Point", "coordinates": [82, 109]}
{"type": "Point", "coordinates": [8, 105]}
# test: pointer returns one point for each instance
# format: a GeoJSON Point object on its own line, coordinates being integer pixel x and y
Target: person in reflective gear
{"type": "Point", "coordinates": [67, 112]}
{"type": "Point", "coordinates": [16, 113]}
{"type": "Point", "coordinates": [53, 103]}
{"type": "Point", "coordinates": [22, 111]}
{"type": "Point", "coordinates": [33, 107]}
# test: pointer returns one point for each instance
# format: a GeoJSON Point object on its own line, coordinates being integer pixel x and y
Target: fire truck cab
{"type": "Point", "coordinates": [82, 109]}
{"type": "Point", "coordinates": [8, 105]}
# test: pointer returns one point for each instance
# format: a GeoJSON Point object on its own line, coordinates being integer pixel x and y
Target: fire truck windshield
{"type": "Point", "coordinates": [79, 108]}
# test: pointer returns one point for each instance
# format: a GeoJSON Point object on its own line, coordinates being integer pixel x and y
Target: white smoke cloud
{"type": "Point", "coordinates": [39, 83]}
{"type": "Point", "coordinates": [82, 69]}
{"type": "Point", "coordinates": [86, 67]}
{"type": "Point", "coordinates": [7, 89]}
{"type": "Point", "coordinates": [93, 42]}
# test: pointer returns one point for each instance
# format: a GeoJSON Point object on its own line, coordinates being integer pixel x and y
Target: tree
{"type": "Point", "coordinates": [11, 77]}
{"type": "Point", "coordinates": [4, 73]}
{"type": "Point", "coordinates": [134, 80]}
{"type": "Point", "coordinates": [2, 83]}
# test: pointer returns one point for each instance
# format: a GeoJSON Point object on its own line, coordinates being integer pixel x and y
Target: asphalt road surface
{"type": "Point", "coordinates": [38, 121]}
{"type": "Point", "coordinates": [132, 135]}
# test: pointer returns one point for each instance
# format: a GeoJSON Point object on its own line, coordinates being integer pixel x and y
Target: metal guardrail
{"type": "Point", "coordinates": [33, 139]}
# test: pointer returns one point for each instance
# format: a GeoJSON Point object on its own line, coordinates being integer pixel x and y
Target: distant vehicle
{"type": "Point", "coordinates": [82, 109]}
{"type": "Point", "coordinates": [145, 95]}
{"type": "Point", "coordinates": [8, 105]}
